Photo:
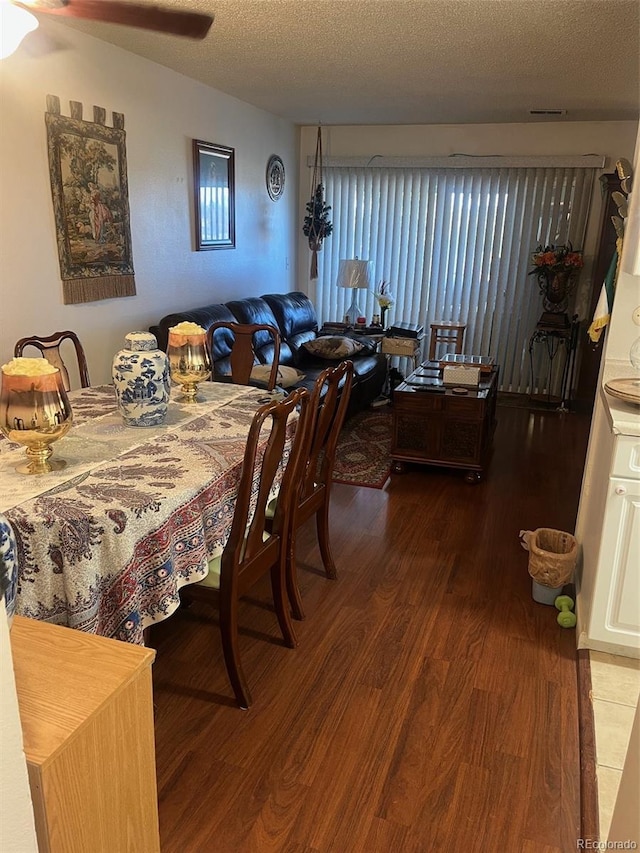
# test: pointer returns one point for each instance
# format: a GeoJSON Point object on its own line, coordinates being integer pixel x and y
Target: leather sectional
{"type": "Point", "coordinates": [294, 315]}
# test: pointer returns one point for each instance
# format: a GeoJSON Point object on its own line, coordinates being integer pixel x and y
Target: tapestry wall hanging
{"type": "Point", "coordinates": [88, 170]}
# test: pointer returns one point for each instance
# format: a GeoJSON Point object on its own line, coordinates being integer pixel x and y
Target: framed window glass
{"type": "Point", "coordinates": [213, 167]}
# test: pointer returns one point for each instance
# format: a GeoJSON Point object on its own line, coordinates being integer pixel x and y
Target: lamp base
{"type": "Point", "coordinates": [353, 311]}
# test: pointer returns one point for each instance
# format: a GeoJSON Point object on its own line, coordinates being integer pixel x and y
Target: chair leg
{"type": "Point", "coordinates": [280, 600]}
{"type": "Point", "coordinates": [293, 590]}
{"type": "Point", "coordinates": [229, 633]}
{"type": "Point", "coordinates": [322, 527]}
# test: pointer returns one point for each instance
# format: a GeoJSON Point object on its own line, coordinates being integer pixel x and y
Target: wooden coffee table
{"type": "Point", "coordinates": [438, 425]}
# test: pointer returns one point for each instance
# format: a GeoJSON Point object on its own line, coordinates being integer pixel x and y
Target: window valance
{"type": "Point", "coordinates": [467, 161]}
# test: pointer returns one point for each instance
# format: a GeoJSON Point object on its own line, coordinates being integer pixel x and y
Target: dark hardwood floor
{"type": "Point", "coordinates": [430, 705]}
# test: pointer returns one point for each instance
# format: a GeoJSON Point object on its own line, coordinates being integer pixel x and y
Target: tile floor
{"type": "Point", "coordinates": [615, 686]}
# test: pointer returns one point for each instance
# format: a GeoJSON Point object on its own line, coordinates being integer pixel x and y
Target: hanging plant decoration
{"type": "Point", "coordinates": [317, 224]}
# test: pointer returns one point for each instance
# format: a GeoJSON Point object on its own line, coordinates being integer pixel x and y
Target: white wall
{"type": "Point", "coordinates": [17, 828]}
{"type": "Point", "coordinates": [611, 139]}
{"type": "Point", "coordinates": [163, 112]}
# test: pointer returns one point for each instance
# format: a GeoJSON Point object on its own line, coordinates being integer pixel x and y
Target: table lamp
{"type": "Point", "coordinates": [355, 274]}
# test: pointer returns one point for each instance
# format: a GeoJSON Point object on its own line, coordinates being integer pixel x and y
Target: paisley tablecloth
{"type": "Point", "coordinates": [105, 545]}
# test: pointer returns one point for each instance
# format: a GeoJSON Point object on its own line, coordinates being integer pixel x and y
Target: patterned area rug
{"type": "Point", "coordinates": [363, 454]}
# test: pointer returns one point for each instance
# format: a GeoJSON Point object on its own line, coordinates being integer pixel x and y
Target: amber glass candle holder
{"type": "Point", "coordinates": [189, 361]}
{"type": "Point", "coordinates": [34, 411]}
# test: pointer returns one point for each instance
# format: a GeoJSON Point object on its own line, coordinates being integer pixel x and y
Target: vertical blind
{"type": "Point", "coordinates": [455, 244]}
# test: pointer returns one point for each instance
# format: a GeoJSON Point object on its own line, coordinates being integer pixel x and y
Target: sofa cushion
{"type": "Point", "coordinates": [205, 317]}
{"type": "Point", "coordinates": [333, 347]}
{"type": "Point", "coordinates": [294, 313]}
{"type": "Point", "coordinates": [222, 343]}
{"type": "Point", "coordinates": [254, 309]}
{"type": "Point", "coordinates": [368, 344]}
{"type": "Point", "coordinates": [287, 376]}
{"type": "Point", "coordinates": [297, 321]}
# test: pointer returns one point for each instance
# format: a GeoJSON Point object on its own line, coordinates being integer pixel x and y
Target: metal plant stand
{"type": "Point", "coordinates": [563, 342]}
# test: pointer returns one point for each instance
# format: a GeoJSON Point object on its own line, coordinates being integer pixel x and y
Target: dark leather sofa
{"type": "Point", "coordinates": [295, 316]}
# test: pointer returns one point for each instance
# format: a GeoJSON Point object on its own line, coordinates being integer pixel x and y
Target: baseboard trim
{"type": "Point", "coordinates": [589, 813]}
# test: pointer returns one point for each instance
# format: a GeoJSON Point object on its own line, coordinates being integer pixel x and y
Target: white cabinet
{"type": "Point", "coordinates": [608, 530]}
{"type": "Point", "coordinates": [615, 615]}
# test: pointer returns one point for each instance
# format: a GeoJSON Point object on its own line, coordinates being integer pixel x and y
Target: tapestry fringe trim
{"type": "Point", "coordinates": [78, 290]}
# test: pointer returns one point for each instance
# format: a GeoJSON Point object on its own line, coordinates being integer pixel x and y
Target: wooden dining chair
{"type": "Point", "coordinates": [50, 348]}
{"type": "Point", "coordinates": [329, 401]}
{"type": "Point", "coordinates": [238, 342]}
{"type": "Point", "coordinates": [251, 551]}
{"type": "Point", "coordinates": [448, 333]}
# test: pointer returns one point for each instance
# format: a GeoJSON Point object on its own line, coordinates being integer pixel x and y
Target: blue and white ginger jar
{"type": "Point", "coordinates": [141, 380]}
{"type": "Point", "coordinates": [8, 567]}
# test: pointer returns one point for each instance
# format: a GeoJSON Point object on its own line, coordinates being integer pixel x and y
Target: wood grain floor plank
{"type": "Point", "coordinates": [411, 771]}
{"type": "Point", "coordinates": [465, 825]}
{"type": "Point", "coordinates": [339, 801]}
{"type": "Point", "coordinates": [572, 799]}
{"type": "Point", "coordinates": [544, 807]}
{"type": "Point", "coordinates": [510, 789]}
{"type": "Point", "coordinates": [430, 704]}
{"type": "Point", "coordinates": [423, 771]}
{"type": "Point", "coordinates": [534, 847]}
{"type": "Point", "coordinates": [384, 835]}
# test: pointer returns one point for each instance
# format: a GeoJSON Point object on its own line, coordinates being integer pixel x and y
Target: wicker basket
{"type": "Point", "coordinates": [552, 555]}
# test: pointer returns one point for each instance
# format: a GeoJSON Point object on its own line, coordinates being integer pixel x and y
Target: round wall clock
{"type": "Point", "coordinates": [275, 177]}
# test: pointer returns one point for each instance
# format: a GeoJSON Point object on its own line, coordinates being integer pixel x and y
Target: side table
{"type": "Point", "coordinates": [404, 348]}
{"type": "Point", "coordinates": [408, 348]}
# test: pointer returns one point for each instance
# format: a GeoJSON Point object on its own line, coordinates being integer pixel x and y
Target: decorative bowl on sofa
{"type": "Point", "coordinates": [295, 316]}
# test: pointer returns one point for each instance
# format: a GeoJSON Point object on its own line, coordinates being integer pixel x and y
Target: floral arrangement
{"type": "Point", "coordinates": [555, 259]}
{"type": "Point", "coordinates": [383, 295]}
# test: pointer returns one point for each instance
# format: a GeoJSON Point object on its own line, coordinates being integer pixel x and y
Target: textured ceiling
{"type": "Point", "coordinates": [410, 61]}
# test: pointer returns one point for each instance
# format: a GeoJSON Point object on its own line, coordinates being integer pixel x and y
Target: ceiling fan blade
{"type": "Point", "coordinates": [191, 24]}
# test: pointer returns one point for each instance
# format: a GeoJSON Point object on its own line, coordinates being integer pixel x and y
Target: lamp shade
{"type": "Point", "coordinates": [355, 273]}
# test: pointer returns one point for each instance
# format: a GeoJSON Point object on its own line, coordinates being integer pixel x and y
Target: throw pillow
{"type": "Point", "coordinates": [332, 347]}
{"type": "Point", "coordinates": [369, 346]}
{"type": "Point", "coordinates": [287, 376]}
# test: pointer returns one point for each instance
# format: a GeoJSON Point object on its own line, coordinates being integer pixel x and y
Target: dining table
{"type": "Point", "coordinates": [105, 544]}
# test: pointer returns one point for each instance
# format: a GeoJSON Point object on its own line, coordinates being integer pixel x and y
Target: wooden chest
{"type": "Point", "coordinates": [436, 425]}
